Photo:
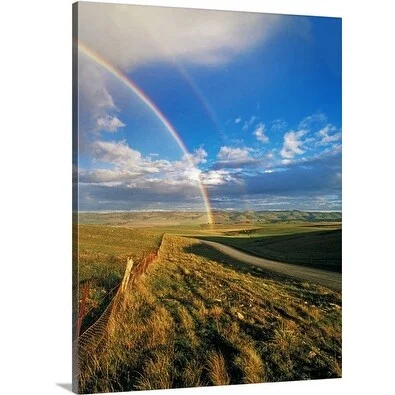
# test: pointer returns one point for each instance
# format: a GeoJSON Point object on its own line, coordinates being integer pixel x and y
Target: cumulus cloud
{"type": "Point", "coordinates": [298, 186]}
{"type": "Point", "coordinates": [125, 165]}
{"type": "Point", "coordinates": [216, 177]}
{"type": "Point", "coordinates": [109, 123]}
{"type": "Point", "coordinates": [229, 154]}
{"type": "Point", "coordinates": [327, 135]}
{"type": "Point", "coordinates": [131, 181]}
{"type": "Point", "coordinates": [117, 153]}
{"type": "Point", "coordinates": [131, 35]}
{"type": "Point", "coordinates": [259, 133]}
{"type": "Point", "coordinates": [198, 156]}
{"type": "Point", "coordinates": [126, 169]}
{"type": "Point", "coordinates": [238, 120]}
{"type": "Point", "coordinates": [293, 144]}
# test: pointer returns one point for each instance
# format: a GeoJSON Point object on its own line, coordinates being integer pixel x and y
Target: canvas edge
{"type": "Point", "coordinates": [75, 197]}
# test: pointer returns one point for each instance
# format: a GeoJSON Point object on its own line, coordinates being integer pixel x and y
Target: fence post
{"type": "Point", "coordinates": [126, 277]}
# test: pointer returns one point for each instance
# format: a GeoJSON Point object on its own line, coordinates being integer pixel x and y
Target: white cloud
{"type": "Point", "coordinates": [328, 134]}
{"type": "Point", "coordinates": [238, 120]}
{"type": "Point", "coordinates": [292, 144]}
{"type": "Point", "coordinates": [109, 123]}
{"type": "Point", "coordinates": [216, 177]}
{"type": "Point", "coordinates": [313, 121]}
{"type": "Point", "coordinates": [94, 99]}
{"type": "Point", "coordinates": [130, 179]}
{"type": "Point", "coordinates": [129, 35]}
{"type": "Point", "coordinates": [286, 161]}
{"type": "Point", "coordinates": [198, 156]}
{"type": "Point", "coordinates": [117, 153]}
{"type": "Point", "coordinates": [248, 123]}
{"type": "Point", "coordinates": [229, 154]}
{"type": "Point", "coordinates": [259, 133]}
{"type": "Point", "coordinates": [129, 167]}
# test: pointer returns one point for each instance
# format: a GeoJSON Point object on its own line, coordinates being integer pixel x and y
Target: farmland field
{"type": "Point", "coordinates": [315, 247]}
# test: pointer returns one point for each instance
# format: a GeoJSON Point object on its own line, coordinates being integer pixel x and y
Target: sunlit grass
{"type": "Point", "coordinates": [102, 255]}
{"type": "Point", "coordinates": [199, 318]}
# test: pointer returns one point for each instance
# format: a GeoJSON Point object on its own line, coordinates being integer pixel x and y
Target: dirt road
{"type": "Point", "coordinates": [328, 279]}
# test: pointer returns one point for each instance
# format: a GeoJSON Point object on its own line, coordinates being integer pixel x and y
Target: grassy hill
{"type": "Point", "coordinates": [200, 318]}
{"type": "Point", "coordinates": [101, 257]}
{"type": "Point", "coordinates": [176, 218]}
{"type": "Point", "coordinates": [106, 248]}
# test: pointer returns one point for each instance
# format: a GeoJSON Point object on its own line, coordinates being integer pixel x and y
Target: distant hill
{"type": "Point", "coordinates": [156, 218]}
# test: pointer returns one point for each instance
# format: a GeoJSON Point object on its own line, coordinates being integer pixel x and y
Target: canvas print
{"type": "Point", "coordinates": [207, 197]}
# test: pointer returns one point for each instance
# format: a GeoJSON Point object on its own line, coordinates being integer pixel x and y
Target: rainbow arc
{"type": "Point", "coordinates": [94, 56]}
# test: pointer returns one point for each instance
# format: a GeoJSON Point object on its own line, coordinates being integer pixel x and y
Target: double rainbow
{"type": "Point", "coordinates": [152, 106]}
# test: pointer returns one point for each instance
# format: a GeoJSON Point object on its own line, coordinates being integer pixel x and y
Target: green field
{"type": "Point", "coordinates": [308, 246]}
{"type": "Point", "coordinates": [106, 248]}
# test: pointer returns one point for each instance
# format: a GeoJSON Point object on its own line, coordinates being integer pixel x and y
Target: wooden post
{"type": "Point", "coordinates": [126, 277]}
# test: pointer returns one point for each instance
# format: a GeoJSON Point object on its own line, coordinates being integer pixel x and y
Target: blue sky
{"type": "Point", "coordinates": [255, 98]}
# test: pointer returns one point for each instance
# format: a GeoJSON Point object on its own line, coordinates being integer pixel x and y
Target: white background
{"type": "Point", "coordinates": [35, 155]}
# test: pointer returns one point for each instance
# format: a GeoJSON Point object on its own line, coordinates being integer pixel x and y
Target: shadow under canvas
{"type": "Point", "coordinates": [66, 386]}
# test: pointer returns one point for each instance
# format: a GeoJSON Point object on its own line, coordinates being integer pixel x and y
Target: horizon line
{"type": "Point", "coordinates": [199, 211]}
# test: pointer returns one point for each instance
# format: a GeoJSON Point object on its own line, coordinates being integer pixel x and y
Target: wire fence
{"type": "Point", "coordinates": [89, 341]}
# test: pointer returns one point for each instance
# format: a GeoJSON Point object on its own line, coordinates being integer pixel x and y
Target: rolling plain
{"type": "Point", "coordinates": [197, 315]}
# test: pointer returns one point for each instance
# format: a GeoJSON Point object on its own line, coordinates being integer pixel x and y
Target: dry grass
{"type": "Point", "coordinates": [199, 318]}
{"type": "Point", "coordinates": [102, 255]}
{"type": "Point", "coordinates": [103, 250]}
{"type": "Point", "coordinates": [251, 364]}
{"type": "Point", "coordinates": [216, 366]}
{"type": "Point", "coordinates": [156, 372]}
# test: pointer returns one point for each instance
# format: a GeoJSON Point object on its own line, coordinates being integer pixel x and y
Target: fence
{"type": "Point", "coordinates": [93, 337]}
